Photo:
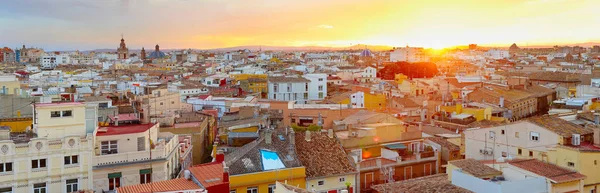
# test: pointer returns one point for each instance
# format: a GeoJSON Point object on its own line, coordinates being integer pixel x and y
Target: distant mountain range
{"type": "Point", "coordinates": [325, 48]}
{"type": "Point", "coordinates": [265, 48]}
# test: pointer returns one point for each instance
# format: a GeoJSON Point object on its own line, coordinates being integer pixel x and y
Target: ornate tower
{"type": "Point", "coordinates": [122, 51]}
{"type": "Point", "coordinates": [143, 54]}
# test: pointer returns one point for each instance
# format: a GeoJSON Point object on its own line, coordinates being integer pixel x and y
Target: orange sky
{"type": "Point", "coordinates": [226, 23]}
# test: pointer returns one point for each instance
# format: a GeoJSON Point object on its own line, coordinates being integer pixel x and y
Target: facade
{"type": "Point", "coordinates": [289, 89]}
{"type": "Point", "coordinates": [9, 84]}
{"type": "Point", "coordinates": [582, 158]}
{"type": "Point", "coordinates": [367, 100]}
{"type": "Point", "coordinates": [317, 88]}
{"type": "Point", "coordinates": [51, 61]}
{"type": "Point", "coordinates": [530, 138]}
{"type": "Point", "coordinates": [50, 163]}
{"type": "Point", "coordinates": [497, 54]}
{"type": "Point", "coordinates": [134, 154]}
{"type": "Point", "coordinates": [408, 54]}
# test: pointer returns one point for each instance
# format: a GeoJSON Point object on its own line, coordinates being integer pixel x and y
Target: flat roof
{"type": "Point", "coordinates": [125, 129]}
{"type": "Point", "coordinates": [57, 104]}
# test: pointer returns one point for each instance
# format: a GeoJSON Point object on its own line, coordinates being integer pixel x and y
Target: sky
{"type": "Point", "coordinates": [205, 24]}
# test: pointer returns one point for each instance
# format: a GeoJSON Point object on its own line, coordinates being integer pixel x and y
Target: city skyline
{"type": "Point", "coordinates": [85, 25]}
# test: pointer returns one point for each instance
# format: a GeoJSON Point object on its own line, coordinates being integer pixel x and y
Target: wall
{"type": "Point", "coordinates": [56, 127]}
{"type": "Point", "coordinates": [331, 183]}
{"type": "Point", "coordinates": [22, 178]}
{"type": "Point", "coordinates": [17, 124]}
{"type": "Point", "coordinates": [532, 185]}
{"type": "Point", "coordinates": [475, 139]}
{"type": "Point", "coordinates": [8, 84]}
{"type": "Point", "coordinates": [262, 180]}
{"type": "Point", "coordinates": [586, 163]}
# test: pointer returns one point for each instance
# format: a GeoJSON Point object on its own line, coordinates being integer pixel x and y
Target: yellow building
{"type": "Point", "coordinates": [52, 161]}
{"type": "Point", "coordinates": [17, 124]}
{"type": "Point", "coordinates": [257, 166]}
{"type": "Point", "coordinates": [478, 113]}
{"type": "Point", "coordinates": [9, 84]}
{"type": "Point", "coordinates": [583, 159]}
{"type": "Point", "coordinates": [366, 100]}
{"type": "Point", "coordinates": [256, 82]}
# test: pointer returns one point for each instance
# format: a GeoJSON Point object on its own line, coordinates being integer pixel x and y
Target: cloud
{"type": "Point", "coordinates": [325, 26]}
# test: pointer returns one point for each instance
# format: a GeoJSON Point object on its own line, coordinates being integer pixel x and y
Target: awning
{"type": "Point", "coordinates": [395, 146]}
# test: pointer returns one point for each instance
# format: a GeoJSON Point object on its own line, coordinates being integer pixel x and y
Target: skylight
{"type": "Point", "coordinates": [270, 160]}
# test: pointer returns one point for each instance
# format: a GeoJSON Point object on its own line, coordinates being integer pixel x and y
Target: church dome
{"type": "Point", "coordinates": [157, 53]}
{"type": "Point", "coordinates": [366, 53]}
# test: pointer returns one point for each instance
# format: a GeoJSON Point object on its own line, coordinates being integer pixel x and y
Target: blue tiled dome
{"type": "Point", "coordinates": [157, 53]}
{"type": "Point", "coordinates": [366, 53]}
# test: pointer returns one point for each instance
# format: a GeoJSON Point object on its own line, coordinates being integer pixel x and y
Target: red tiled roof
{"type": "Point", "coordinates": [555, 173]}
{"type": "Point", "coordinates": [161, 186]}
{"type": "Point", "coordinates": [203, 96]}
{"type": "Point", "coordinates": [126, 129]}
{"type": "Point", "coordinates": [209, 174]}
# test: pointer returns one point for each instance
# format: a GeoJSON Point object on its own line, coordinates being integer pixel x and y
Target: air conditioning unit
{"type": "Point", "coordinates": [489, 152]}
{"type": "Point", "coordinates": [482, 151]}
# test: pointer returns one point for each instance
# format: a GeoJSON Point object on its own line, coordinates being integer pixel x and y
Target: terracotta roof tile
{"type": "Point", "coordinates": [555, 173]}
{"type": "Point", "coordinates": [322, 156]}
{"type": "Point", "coordinates": [444, 143]}
{"type": "Point", "coordinates": [560, 126]}
{"type": "Point", "coordinates": [474, 167]}
{"type": "Point", "coordinates": [427, 184]}
{"type": "Point", "coordinates": [161, 186]}
{"type": "Point", "coordinates": [209, 174]}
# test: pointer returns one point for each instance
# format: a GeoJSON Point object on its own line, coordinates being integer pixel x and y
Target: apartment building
{"type": "Point", "coordinates": [317, 87]}
{"type": "Point", "coordinates": [283, 88]}
{"type": "Point", "coordinates": [134, 154]}
{"type": "Point", "coordinates": [55, 157]}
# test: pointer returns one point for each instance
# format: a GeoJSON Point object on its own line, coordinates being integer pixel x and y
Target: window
{"type": "Point", "coordinates": [320, 95]}
{"type": "Point", "coordinates": [320, 79]}
{"type": "Point", "coordinates": [67, 113]}
{"type": "Point", "coordinates": [161, 103]}
{"type": "Point", "coordinates": [595, 162]}
{"type": "Point", "coordinates": [100, 119]}
{"type": "Point", "coordinates": [38, 163]}
{"type": "Point", "coordinates": [530, 153]}
{"type": "Point", "coordinates": [109, 147]}
{"type": "Point", "coordinates": [55, 114]}
{"type": "Point", "coordinates": [114, 180]}
{"type": "Point", "coordinates": [342, 179]}
{"type": "Point", "coordinates": [252, 190]}
{"type": "Point", "coordinates": [502, 132]}
{"type": "Point", "coordinates": [535, 136]}
{"type": "Point", "coordinates": [39, 188]}
{"type": "Point", "coordinates": [289, 87]}
{"type": "Point", "coordinates": [72, 185]}
{"type": "Point", "coordinates": [141, 143]}
{"type": "Point", "coordinates": [293, 120]}
{"type": "Point", "coordinates": [145, 176]}
{"type": "Point", "coordinates": [276, 87]}
{"type": "Point", "coordinates": [71, 159]}
{"type": "Point", "coordinates": [6, 167]}
{"type": "Point", "coordinates": [306, 86]}
{"type": "Point", "coordinates": [320, 87]}
{"type": "Point", "coordinates": [305, 95]}
{"type": "Point", "coordinates": [520, 151]}
{"type": "Point", "coordinates": [321, 182]}
{"type": "Point", "coordinates": [103, 105]}
{"type": "Point", "coordinates": [271, 188]}
{"type": "Point", "coordinates": [516, 134]}
{"type": "Point", "coordinates": [571, 164]}
{"type": "Point", "coordinates": [172, 102]}
{"type": "Point", "coordinates": [504, 154]}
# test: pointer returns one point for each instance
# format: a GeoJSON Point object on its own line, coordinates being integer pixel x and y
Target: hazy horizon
{"type": "Point", "coordinates": [209, 24]}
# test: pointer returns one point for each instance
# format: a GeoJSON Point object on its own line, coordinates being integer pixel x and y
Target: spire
{"type": "Point", "coordinates": [157, 47]}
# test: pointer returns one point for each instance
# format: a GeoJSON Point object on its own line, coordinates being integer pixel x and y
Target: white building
{"type": "Point", "coordinates": [58, 159]}
{"type": "Point", "coordinates": [289, 89]}
{"type": "Point", "coordinates": [357, 100]}
{"type": "Point", "coordinates": [408, 54]}
{"type": "Point", "coordinates": [317, 88]}
{"type": "Point", "coordinates": [51, 61]}
{"type": "Point", "coordinates": [122, 156]}
{"type": "Point", "coordinates": [497, 54]}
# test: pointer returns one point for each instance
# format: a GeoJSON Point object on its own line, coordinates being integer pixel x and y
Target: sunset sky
{"type": "Point", "coordinates": [90, 24]}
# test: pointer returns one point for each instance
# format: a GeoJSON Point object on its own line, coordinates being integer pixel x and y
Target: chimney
{"type": "Point", "coordinates": [225, 173]}
{"type": "Point", "coordinates": [597, 118]}
{"type": "Point", "coordinates": [117, 120]}
{"type": "Point", "coordinates": [187, 174]}
{"type": "Point", "coordinates": [220, 157]}
{"type": "Point", "coordinates": [307, 136]}
{"type": "Point", "coordinates": [268, 136]}
{"type": "Point", "coordinates": [501, 101]}
{"type": "Point", "coordinates": [330, 133]}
